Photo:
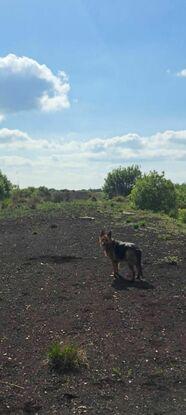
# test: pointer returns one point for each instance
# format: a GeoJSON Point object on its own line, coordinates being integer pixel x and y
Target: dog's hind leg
{"type": "Point", "coordinates": [132, 271]}
{"type": "Point", "coordinates": [138, 264]}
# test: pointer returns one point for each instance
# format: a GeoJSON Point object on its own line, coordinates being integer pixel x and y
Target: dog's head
{"type": "Point", "coordinates": [105, 239]}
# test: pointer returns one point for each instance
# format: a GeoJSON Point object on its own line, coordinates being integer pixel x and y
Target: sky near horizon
{"type": "Point", "coordinates": [87, 86]}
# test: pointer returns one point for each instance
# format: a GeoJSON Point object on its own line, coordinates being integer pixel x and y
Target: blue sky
{"type": "Point", "coordinates": [121, 98]}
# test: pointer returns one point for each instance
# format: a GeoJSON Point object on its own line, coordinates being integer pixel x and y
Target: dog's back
{"type": "Point", "coordinates": [122, 249]}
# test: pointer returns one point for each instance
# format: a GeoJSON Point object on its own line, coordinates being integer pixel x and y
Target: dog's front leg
{"type": "Point", "coordinates": [115, 268]}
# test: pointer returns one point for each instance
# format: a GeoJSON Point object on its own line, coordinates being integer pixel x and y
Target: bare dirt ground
{"type": "Point", "coordinates": [55, 286]}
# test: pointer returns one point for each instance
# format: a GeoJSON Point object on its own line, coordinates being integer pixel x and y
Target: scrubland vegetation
{"type": "Point", "coordinates": [124, 188]}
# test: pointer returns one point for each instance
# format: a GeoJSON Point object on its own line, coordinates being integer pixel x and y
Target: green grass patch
{"type": "Point", "coordinates": [170, 260]}
{"type": "Point", "coordinates": [120, 374]}
{"type": "Point", "coordinates": [158, 371]}
{"type": "Point", "coordinates": [116, 372]}
{"type": "Point", "coordinates": [136, 226]}
{"type": "Point", "coordinates": [128, 220]}
{"type": "Point", "coordinates": [68, 358]}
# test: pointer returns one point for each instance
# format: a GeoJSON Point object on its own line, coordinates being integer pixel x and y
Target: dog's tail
{"type": "Point", "coordinates": [138, 263]}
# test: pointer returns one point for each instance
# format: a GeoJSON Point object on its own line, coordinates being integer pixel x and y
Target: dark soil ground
{"type": "Point", "coordinates": [55, 286]}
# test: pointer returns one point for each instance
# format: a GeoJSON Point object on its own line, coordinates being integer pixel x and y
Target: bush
{"type": "Point", "coordinates": [6, 204]}
{"type": "Point", "coordinates": [5, 186]}
{"type": "Point", "coordinates": [28, 191]}
{"type": "Point", "coordinates": [58, 196]}
{"type": "Point", "coordinates": [33, 201]}
{"type": "Point", "coordinates": [154, 192]}
{"type": "Point", "coordinates": [44, 193]}
{"type": "Point", "coordinates": [120, 181]}
{"type": "Point", "coordinates": [119, 199]}
{"type": "Point", "coordinates": [181, 195]}
{"type": "Point", "coordinates": [182, 215]}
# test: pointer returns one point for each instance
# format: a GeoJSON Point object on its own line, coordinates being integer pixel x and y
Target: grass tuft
{"type": "Point", "coordinates": [116, 372]}
{"type": "Point", "coordinates": [67, 358]}
{"type": "Point", "coordinates": [136, 226]}
{"type": "Point", "coordinates": [170, 260]}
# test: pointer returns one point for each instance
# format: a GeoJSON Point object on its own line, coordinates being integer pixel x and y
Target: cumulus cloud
{"type": "Point", "coordinates": [182, 73]}
{"type": "Point", "coordinates": [16, 139]}
{"type": "Point", "coordinates": [167, 144]}
{"type": "Point", "coordinates": [77, 164]}
{"type": "Point", "coordinates": [25, 84]}
{"type": "Point", "coordinates": [15, 161]}
{"type": "Point", "coordinates": [2, 118]}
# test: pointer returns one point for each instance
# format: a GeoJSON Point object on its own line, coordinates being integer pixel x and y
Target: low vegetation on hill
{"type": "Point", "coordinates": [124, 188]}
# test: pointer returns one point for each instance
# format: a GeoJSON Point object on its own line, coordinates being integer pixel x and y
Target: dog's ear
{"type": "Point", "coordinates": [102, 232]}
{"type": "Point", "coordinates": [109, 234]}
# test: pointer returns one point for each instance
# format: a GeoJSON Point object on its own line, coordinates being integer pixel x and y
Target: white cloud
{"type": "Point", "coordinates": [2, 118]}
{"type": "Point", "coordinates": [167, 144]}
{"type": "Point", "coordinates": [182, 73]}
{"type": "Point", "coordinates": [15, 161]}
{"type": "Point", "coordinates": [16, 139]}
{"type": "Point", "coordinates": [25, 84]}
{"type": "Point", "coordinates": [76, 163]}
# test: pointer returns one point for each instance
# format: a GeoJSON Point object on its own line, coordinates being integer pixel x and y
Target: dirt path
{"type": "Point", "coordinates": [55, 286]}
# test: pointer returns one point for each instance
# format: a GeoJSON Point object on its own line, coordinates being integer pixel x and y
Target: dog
{"type": "Point", "coordinates": [119, 251]}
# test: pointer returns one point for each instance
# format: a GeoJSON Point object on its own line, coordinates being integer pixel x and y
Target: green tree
{"type": "Point", "coordinates": [154, 192]}
{"type": "Point", "coordinates": [5, 186]}
{"type": "Point", "coordinates": [120, 181]}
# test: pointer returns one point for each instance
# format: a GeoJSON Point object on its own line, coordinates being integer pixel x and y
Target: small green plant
{"type": "Point", "coordinates": [136, 226]}
{"type": "Point", "coordinates": [170, 260]}
{"type": "Point", "coordinates": [142, 224]}
{"type": "Point", "coordinates": [67, 358]}
{"type": "Point", "coordinates": [158, 371]}
{"type": "Point", "coordinates": [128, 220]}
{"type": "Point", "coordinates": [116, 372]}
{"type": "Point", "coordinates": [129, 372]}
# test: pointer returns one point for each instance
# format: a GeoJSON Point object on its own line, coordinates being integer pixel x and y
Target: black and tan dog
{"type": "Point", "coordinates": [119, 251]}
